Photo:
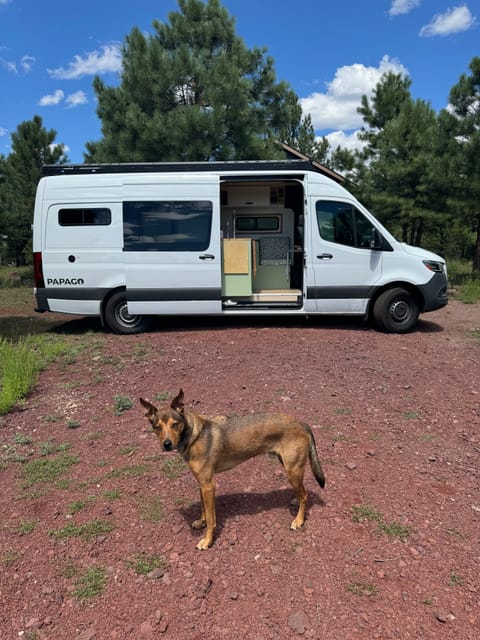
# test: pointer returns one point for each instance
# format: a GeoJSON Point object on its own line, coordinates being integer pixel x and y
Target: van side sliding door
{"type": "Point", "coordinates": [172, 249]}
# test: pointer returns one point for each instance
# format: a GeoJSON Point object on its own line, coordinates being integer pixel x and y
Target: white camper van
{"type": "Point", "coordinates": [128, 241]}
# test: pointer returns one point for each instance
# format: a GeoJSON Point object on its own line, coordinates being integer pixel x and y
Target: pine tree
{"type": "Point", "coordinates": [32, 146]}
{"type": "Point", "coordinates": [465, 100]}
{"type": "Point", "coordinates": [194, 91]}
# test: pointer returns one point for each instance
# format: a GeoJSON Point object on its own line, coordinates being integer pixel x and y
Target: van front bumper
{"type": "Point", "coordinates": [435, 292]}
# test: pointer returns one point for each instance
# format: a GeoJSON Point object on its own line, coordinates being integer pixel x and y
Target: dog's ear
{"type": "Point", "coordinates": [177, 403]}
{"type": "Point", "coordinates": [151, 409]}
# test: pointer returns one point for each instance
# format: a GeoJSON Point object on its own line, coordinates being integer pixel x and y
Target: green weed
{"type": "Point", "coordinates": [87, 531]}
{"type": "Point", "coordinates": [90, 583]}
{"type": "Point", "coordinates": [150, 509]}
{"type": "Point", "coordinates": [455, 580]}
{"type": "Point", "coordinates": [142, 563]}
{"type": "Point", "coordinates": [25, 527]}
{"type": "Point", "coordinates": [360, 588]}
{"type": "Point", "coordinates": [47, 470]}
{"type": "Point", "coordinates": [121, 404]}
{"type": "Point", "coordinates": [365, 512]}
{"type": "Point", "coordinates": [174, 467]}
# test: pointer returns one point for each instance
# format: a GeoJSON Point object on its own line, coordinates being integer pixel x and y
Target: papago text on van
{"type": "Point", "coordinates": [128, 241]}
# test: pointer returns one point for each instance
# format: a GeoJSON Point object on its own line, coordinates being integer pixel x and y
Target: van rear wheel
{"type": "Point", "coordinates": [119, 320]}
{"type": "Point", "coordinates": [396, 311]}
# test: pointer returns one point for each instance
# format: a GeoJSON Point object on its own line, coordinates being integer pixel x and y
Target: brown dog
{"type": "Point", "coordinates": [211, 445]}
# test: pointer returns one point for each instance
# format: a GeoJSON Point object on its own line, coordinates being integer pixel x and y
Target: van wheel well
{"type": "Point", "coordinates": [115, 314]}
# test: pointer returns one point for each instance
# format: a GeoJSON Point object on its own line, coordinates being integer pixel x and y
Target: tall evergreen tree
{"type": "Point", "coordinates": [194, 91]}
{"type": "Point", "coordinates": [32, 146]}
{"type": "Point", "coordinates": [398, 159]}
{"type": "Point", "coordinates": [465, 101]}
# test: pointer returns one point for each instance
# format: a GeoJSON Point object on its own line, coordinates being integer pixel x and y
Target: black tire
{"type": "Point", "coordinates": [396, 311]}
{"type": "Point", "coordinates": [119, 320]}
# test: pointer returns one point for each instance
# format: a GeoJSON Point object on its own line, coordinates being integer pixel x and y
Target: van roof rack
{"type": "Point", "coordinates": [172, 167]}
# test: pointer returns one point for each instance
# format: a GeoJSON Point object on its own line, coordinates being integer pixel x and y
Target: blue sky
{"type": "Point", "coordinates": [331, 53]}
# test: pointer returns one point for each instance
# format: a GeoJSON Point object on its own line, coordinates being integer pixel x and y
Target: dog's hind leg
{"type": "Point", "coordinates": [295, 477]}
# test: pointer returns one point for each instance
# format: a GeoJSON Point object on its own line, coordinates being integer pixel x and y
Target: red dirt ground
{"type": "Point", "coordinates": [397, 424]}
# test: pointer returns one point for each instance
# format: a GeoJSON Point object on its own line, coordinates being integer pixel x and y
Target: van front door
{"type": "Point", "coordinates": [172, 254]}
{"type": "Point", "coordinates": [344, 266]}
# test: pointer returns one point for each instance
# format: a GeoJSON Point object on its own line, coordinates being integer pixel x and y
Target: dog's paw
{"type": "Point", "coordinates": [204, 543]}
{"type": "Point", "coordinates": [296, 524]}
{"type": "Point", "coordinates": [199, 524]}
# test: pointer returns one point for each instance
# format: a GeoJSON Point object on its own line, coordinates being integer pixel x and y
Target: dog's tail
{"type": "Point", "coordinates": [313, 455]}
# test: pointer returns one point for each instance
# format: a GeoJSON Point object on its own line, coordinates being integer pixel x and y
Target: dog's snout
{"type": "Point", "coordinates": [167, 445]}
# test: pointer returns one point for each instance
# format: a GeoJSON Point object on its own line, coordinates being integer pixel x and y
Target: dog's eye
{"type": "Point", "coordinates": [175, 425]}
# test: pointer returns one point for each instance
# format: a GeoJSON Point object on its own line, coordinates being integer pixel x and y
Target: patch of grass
{"type": "Point", "coordinates": [94, 436]}
{"type": "Point", "coordinates": [393, 529]}
{"type": "Point", "coordinates": [134, 471]}
{"type": "Point", "coordinates": [73, 424]}
{"type": "Point", "coordinates": [121, 404]}
{"type": "Point", "coordinates": [25, 527]}
{"type": "Point", "coordinates": [455, 580]}
{"type": "Point", "coordinates": [21, 359]}
{"type": "Point", "coordinates": [174, 467]}
{"type": "Point", "coordinates": [142, 563]}
{"type": "Point", "coordinates": [410, 415]}
{"type": "Point", "coordinates": [87, 531]}
{"type": "Point", "coordinates": [162, 396]}
{"type": "Point", "coordinates": [112, 494]}
{"type": "Point", "coordinates": [361, 588]}
{"type": "Point", "coordinates": [90, 583]}
{"type": "Point", "coordinates": [343, 411]}
{"type": "Point", "coordinates": [47, 470]}
{"type": "Point", "coordinates": [127, 449]}
{"type": "Point", "coordinates": [362, 512]}
{"type": "Point", "coordinates": [9, 557]}
{"type": "Point", "coordinates": [150, 509]}
{"type": "Point", "coordinates": [469, 293]}
{"type": "Point", "coordinates": [79, 505]}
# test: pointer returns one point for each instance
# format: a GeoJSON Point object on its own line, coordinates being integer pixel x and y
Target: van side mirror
{"type": "Point", "coordinates": [376, 243]}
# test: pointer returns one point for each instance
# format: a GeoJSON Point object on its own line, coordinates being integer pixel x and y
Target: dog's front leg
{"type": "Point", "coordinates": [208, 507]}
{"type": "Point", "coordinates": [201, 522]}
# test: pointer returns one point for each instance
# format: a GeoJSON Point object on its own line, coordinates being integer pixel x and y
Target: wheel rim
{"type": "Point", "coordinates": [400, 310]}
{"type": "Point", "coordinates": [124, 318]}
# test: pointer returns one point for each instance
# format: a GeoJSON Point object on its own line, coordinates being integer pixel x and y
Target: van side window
{"type": "Point", "coordinates": [167, 225]}
{"type": "Point", "coordinates": [83, 216]}
{"type": "Point", "coordinates": [342, 223]}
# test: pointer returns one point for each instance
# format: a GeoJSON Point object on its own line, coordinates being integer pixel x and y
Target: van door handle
{"type": "Point", "coordinates": [207, 256]}
{"type": "Point", "coordinates": [324, 256]}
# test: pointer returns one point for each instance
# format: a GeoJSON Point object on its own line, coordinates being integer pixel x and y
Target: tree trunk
{"type": "Point", "coordinates": [476, 253]}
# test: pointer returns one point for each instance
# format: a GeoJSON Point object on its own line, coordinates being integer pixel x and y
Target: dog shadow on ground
{"type": "Point", "coordinates": [231, 505]}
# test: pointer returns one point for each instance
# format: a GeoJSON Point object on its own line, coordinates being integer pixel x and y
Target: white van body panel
{"type": "Point", "coordinates": [129, 241]}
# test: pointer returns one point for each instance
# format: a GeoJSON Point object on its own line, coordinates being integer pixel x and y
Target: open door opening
{"type": "Point", "coordinates": [262, 225]}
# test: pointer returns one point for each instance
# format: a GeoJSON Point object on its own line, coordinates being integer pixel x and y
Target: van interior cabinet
{"type": "Point", "coordinates": [237, 267]}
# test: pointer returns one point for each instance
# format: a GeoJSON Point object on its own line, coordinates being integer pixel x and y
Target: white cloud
{"type": "Point", "coordinates": [347, 141]}
{"type": "Point", "coordinates": [52, 99]}
{"type": "Point", "coordinates": [452, 21]}
{"type": "Point", "coordinates": [76, 99]}
{"type": "Point", "coordinates": [3, 132]}
{"type": "Point", "coordinates": [109, 59]}
{"type": "Point", "coordinates": [27, 63]}
{"type": "Point", "coordinates": [399, 7]}
{"type": "Point", "coordinates": [337, 107]}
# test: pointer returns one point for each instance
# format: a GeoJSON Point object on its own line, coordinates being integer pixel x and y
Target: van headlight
{"type": "Point", "coordinates": [433, 265]}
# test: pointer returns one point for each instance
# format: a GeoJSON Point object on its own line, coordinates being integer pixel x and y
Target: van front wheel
{"type": "Point", "coordinates": [119, 320]}
{"type": "Point", "coordinates": [396, 311]}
